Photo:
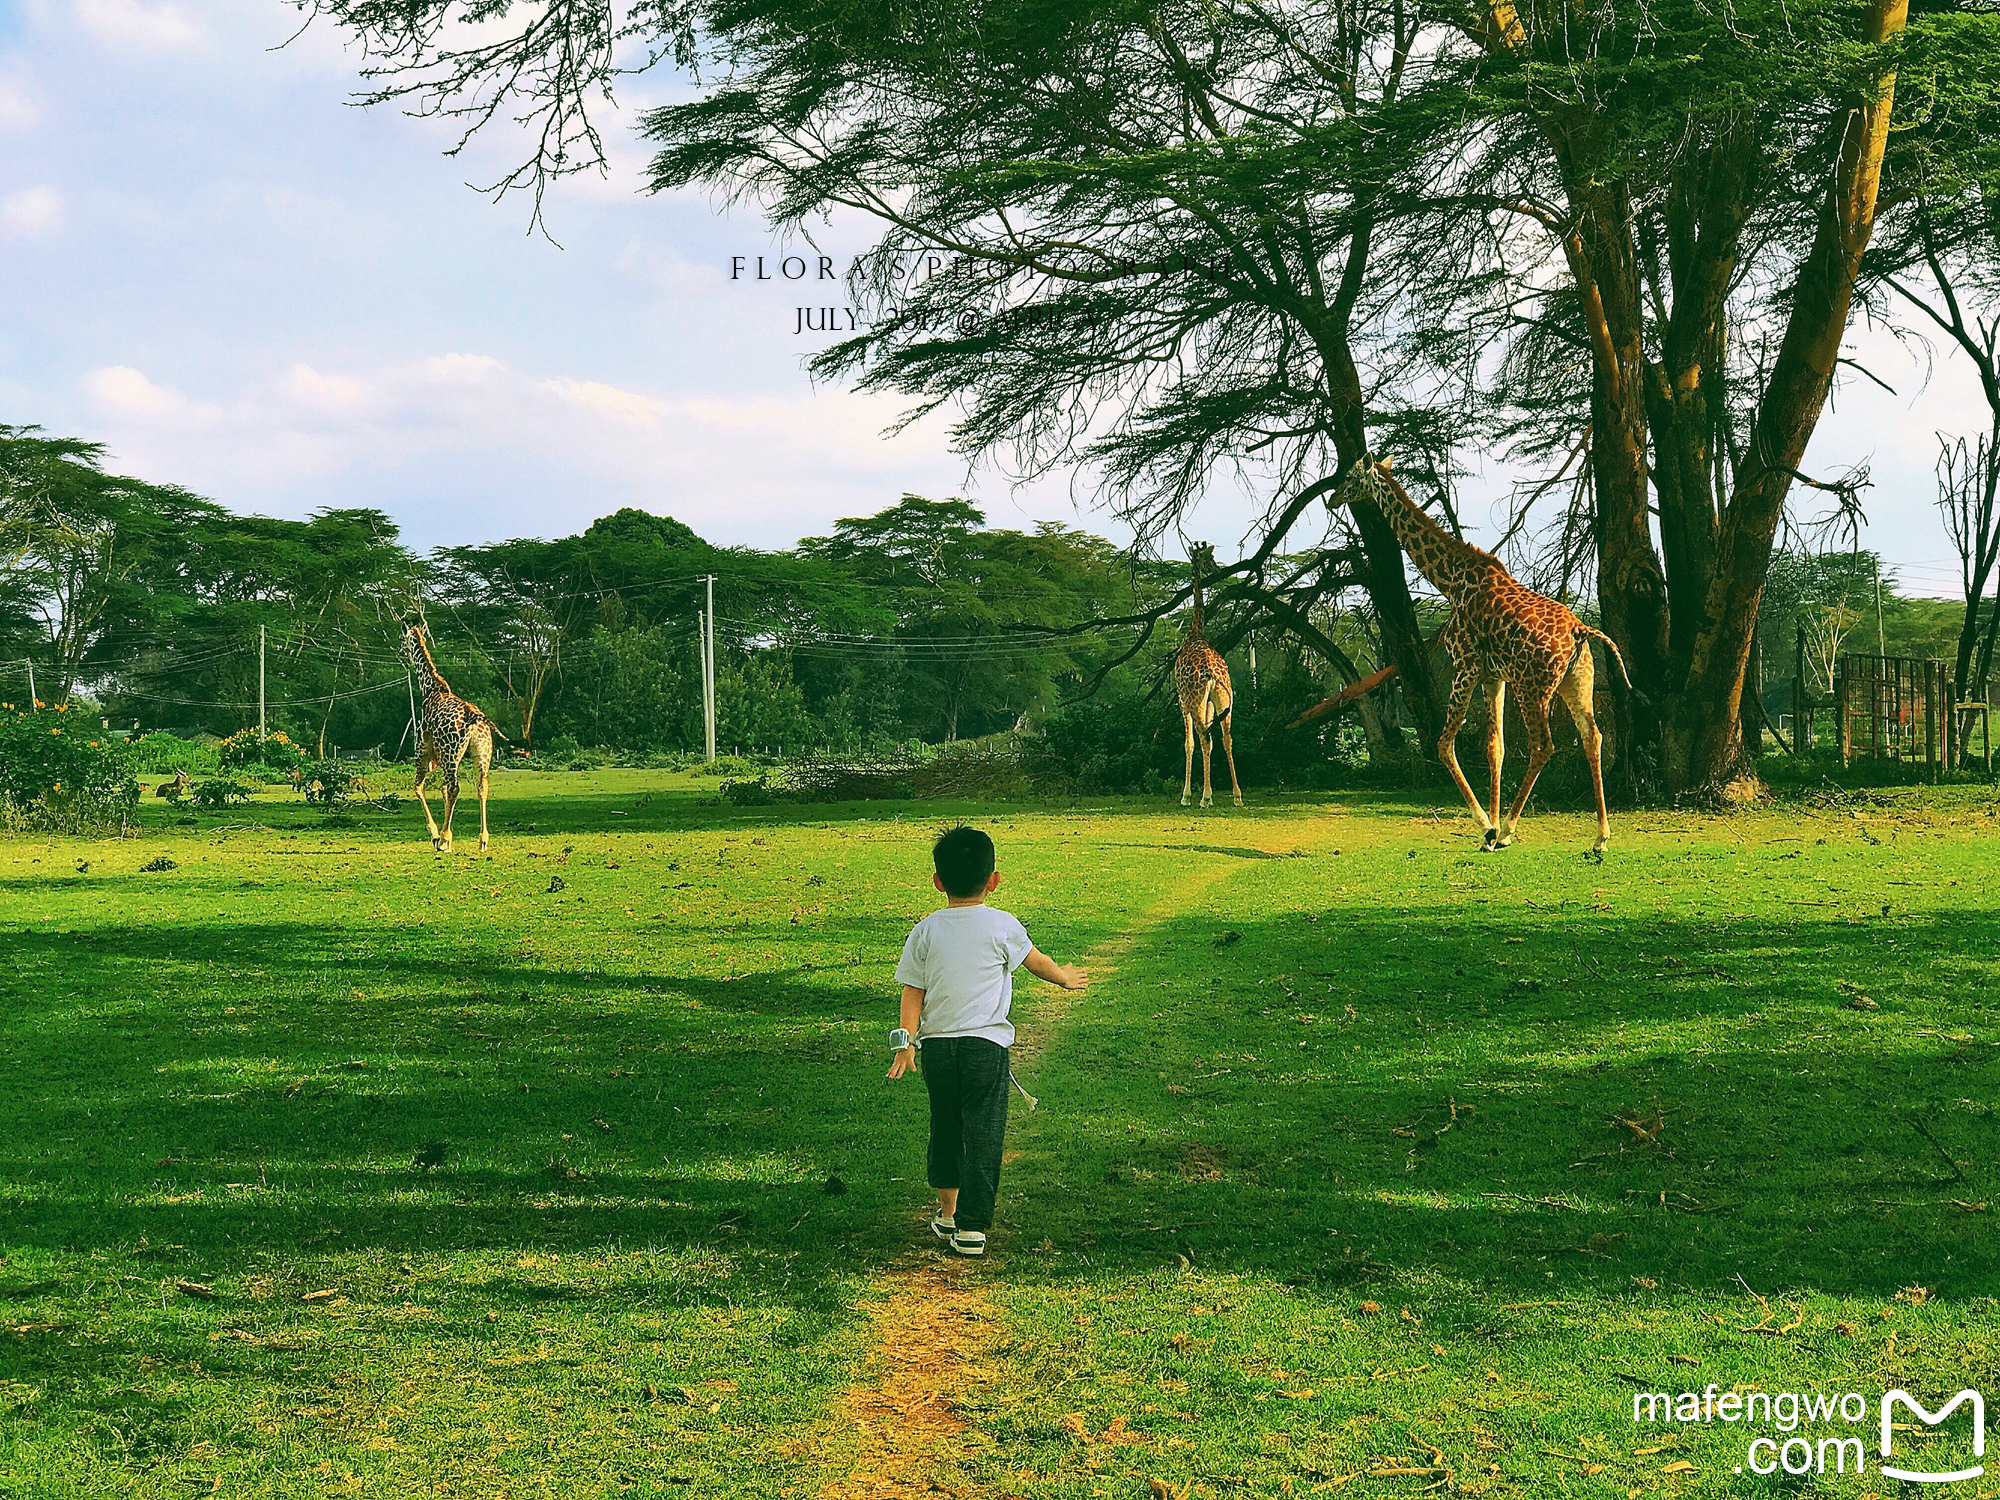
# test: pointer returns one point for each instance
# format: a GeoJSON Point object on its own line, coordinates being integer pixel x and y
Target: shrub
{"type": "Point", "coordinates": [729, 766]}
{"type": "Point", "coordinates": [259, 774]}
{"type": "Point", "coordinates": [160, 754]}
{"type": "Point", "coordinates": [218, 792]}
{"type": "Point", "coordinates": [61, 774]}
{"type": "Point", "coordinates": [559, 751]}
{"type": "Point", "coordinates": [1119, 741]}
{"type": "Point", "coordinates": [756, 793]}
{"type": "Point", "coordinates": [246, 748]}
{"type": "Point", "coordinates": [330, 783]}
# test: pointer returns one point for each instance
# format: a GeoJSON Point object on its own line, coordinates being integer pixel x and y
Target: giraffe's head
{"type": "Point", "coordinates": [1361, 482]}
{"type": "Point", "coordinates": [1202, 557]}
{"type": "Point", "coordinates": [416, 640]}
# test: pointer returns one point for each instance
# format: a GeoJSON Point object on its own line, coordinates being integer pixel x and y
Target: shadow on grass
{"type": "Point", "coordinates": [1464, 1121]}
{"type": "Point", "coordinates": [1525, 1106]}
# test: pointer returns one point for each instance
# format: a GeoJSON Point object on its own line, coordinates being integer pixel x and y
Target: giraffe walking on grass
{"type": "Point", "coordinates": [1500, 631]}
{"type": "Point", "coordinates": [447, 727]}
{"type": "Point", "coordinates": [1201, 677]}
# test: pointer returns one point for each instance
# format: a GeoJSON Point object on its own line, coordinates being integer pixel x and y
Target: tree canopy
{"type": "Point", "coordinates": [1250, 241]}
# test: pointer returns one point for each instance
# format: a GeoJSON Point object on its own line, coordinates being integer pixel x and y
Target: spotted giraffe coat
{"type": "Point", "coordinates": [447, 724]}
{"type": "Point", "coordinates": [447, 728]}
{"type": "Point", "coordinates": [1201, 681]}
{"type": "Point", "coordinates": [1500, 633]}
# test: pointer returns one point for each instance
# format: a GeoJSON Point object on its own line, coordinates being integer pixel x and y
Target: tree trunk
{"type": "Point", "coordinates": [1631, 585]}
{"type": "Point", "coordinates": [1388, 585]}
{"type": "Point", "coordinates": [1704, 744]}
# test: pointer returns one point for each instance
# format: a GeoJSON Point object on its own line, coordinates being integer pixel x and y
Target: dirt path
{"type": "Point", "coordinates": [934, 1331]}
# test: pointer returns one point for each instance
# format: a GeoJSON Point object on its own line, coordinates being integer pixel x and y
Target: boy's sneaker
{"type": "Point", "coordinates": [967, 1242]}
{"type": "Point", "coordinates": [943, 1227]}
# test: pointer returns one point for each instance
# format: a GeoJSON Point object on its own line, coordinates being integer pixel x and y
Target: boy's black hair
{"type": "Point", "coordinates": [963, 858]}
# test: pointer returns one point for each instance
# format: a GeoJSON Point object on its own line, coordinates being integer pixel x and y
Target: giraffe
{"type": "Point", "coordinates": [1499, 632]}
{"type": "Point", "coordinates": [447, 727]}
{"type": "Point", "coordinates": [1201, 677]}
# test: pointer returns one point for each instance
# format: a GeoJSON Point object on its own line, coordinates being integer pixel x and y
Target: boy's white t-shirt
{"type": "Point", "coordinates": [963, 958]}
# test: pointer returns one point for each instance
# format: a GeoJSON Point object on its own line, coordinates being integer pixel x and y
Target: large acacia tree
{"type": "Point", "coordinates": [1709, 180]}
{"type": "Point", "coordinates": [1186, 242]}
{"type": "Point", "coordinates": [1155, 228]}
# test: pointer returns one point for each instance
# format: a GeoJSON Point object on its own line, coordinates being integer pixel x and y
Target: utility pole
{"type": "Point", "coordinates": [703, 637]}
{"type": "Point", "coordinates": [708, 668]}
{"type": "Point", "coordinates": [410, 682]}
{"type": "Point", "coordinates": [260, 682]}
{"type": "Point", "coordinates": [33, 702]}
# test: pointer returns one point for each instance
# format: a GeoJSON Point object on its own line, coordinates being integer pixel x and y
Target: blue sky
{"type": "Point", "coordinates": [212, 263]}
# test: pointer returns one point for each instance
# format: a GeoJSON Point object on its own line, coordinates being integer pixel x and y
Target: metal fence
{"type": "Point", "coordinates": [1902, 708]}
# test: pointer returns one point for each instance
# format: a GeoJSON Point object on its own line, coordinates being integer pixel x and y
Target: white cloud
{"type": "Point", "coordinates": [31, 214]}
{"type": "Point", "coordinates": [134, 24]}
{"type": "Point", "coordinates": [756, 468]}
{"type": "Point", "coordinates": [18, 107]}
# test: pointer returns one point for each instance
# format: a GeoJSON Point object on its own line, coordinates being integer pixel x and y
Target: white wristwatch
{"type": "Point", "coordinates": [899, 1039]}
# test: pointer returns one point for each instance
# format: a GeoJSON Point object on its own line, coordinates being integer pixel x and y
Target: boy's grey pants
{"type": "Point", "coordinates": [966, 1077]}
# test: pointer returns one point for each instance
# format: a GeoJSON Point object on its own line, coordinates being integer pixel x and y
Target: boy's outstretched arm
{"type": "Point", "coordinates": [913, 1011]}
{"type": "Point", "coordinates": [1069, 976]}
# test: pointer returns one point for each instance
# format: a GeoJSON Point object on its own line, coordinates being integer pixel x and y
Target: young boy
{"type": "Point", "coordinates": [957, 975]}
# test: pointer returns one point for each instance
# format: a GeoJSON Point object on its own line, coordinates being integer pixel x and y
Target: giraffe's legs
{"type": "Point", "coordinates": [1206, 715]}
{"type": "Point", "coordinates": [1229, 743]}
{"type": "Point", "coordinates": [1577, 690]}
{"type": "Point", "coordinates": [1496, 736]}
{"type": "Point", "coordinates": [1187, 776]}
{"type": "Point", "coordinates": [483, 751]}
{"type": "Point", "coordinates": [443, 845]}
{"type": "Point", "coordinates": [1535, 708]}
{"type": "Point", "coordinates": [1463, 681]}
{"type": "Point", "coordinates": [425, 763]}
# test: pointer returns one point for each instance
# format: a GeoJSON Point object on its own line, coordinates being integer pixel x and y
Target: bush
{"type": "Point", "coordinates": [756, 793]}
{"type": "Point", "coordinates": [247, 748]}
{"type": "Point", "coordinates": [330, 783]}
{"type": "Point", "coordinates": [729, 766]}
{"type": "Point", "coordinates": [259, 774]}
{"type": "Point", "coordinates": [61, 774]}
{"type": "Point", "coordinates": [160, 754]}
{"type": "Point", "coordinates": [219, 792]}
{"type": "Point", "coordinates": [1003, 767]}
{"type": "Point", "coordinates": [1119, 741]}
{"type": "Point", "coordinates": [559, 751]}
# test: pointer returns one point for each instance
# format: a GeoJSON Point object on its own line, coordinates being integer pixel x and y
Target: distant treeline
{"type": "Point", "coordinates": [146, 604]}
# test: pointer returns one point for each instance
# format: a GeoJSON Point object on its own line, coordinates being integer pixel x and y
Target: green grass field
{"type": "Point", "coordinates": [1373, 1165]}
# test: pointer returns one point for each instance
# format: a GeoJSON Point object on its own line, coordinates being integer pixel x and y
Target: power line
{"type": "Point", "coordinates": [275, 702]}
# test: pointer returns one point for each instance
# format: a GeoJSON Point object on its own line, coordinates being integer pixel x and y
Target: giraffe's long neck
{"type": "Point", "coordinates": [429, 679]}
{"type": "Point", "coordinates": [1450, 565]}
{"type": "Point", "coordinates": [1195, 619]}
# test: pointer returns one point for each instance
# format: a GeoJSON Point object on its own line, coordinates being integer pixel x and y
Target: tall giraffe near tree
{"type": "Point", "coordinates": [447, 727]}
{"type": "Point", "coordinates": [1201, 677]}
{"type": "Point", "coordinates": [1500, 631]}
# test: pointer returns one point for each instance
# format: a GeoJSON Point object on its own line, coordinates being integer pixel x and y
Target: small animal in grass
{"type": "Point", "coordinates": [177, 788]}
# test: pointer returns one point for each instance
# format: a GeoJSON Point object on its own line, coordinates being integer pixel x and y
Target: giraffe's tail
{"type": "Point", "coordinates": [1616, 654]}
{"type": "Point", "coordinates": [481, 715]}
